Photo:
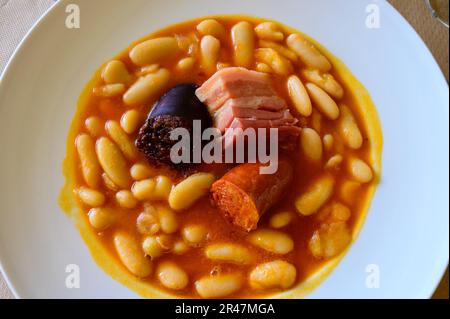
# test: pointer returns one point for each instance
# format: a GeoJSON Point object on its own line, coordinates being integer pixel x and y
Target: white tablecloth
{"type": "Point", "coordinates": [16, 18]}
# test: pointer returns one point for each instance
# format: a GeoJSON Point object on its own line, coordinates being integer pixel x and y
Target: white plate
{"type": "Point", "coordinates": [406, 234]}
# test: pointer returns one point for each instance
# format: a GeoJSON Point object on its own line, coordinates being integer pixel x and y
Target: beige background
{"type": "Point", "coordinates": [435, 35]}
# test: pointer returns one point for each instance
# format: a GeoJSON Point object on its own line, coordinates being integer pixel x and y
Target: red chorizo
{"type": "Point", "coordinates": [244, 194]}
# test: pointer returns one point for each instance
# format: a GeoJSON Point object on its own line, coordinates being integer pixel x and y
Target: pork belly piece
{"type": "Point", "coordinates": [287, 131]}
{"type": "Point", "coordinates": [232, 83]}
{"type": "Point", "coordinates": [225, 115]}
{"type": "Point", "coordinates": [269, 103]}
{"type": "Point", "coordinates": [243, 194]}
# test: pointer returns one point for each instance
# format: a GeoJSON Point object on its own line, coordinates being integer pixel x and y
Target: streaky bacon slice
{"type": "Point", "coordinates": [224, 117]}
{"type": "Point", "coordinates": [231, 83]}
{"type": "Point", "coordinates": [269, 103]}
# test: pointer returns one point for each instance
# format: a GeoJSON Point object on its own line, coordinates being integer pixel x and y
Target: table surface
{"type": "Point", "coordinates": [435, 35]}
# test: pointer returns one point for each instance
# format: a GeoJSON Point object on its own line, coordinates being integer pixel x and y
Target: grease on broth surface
{"type": "Point", "coordinates": [98, 105]}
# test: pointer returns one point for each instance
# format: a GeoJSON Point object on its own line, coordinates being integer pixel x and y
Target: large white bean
{"type": "Point", "coordinates": [113, 162]}
{"type": "Point", "coordinates": [243, 38]}
{"type": "Point", "coordinates": [194, 234]}
{"type": "Point", "coordinates": [330, 240]}
{"type": "Point", "coordinates": [308, 53]}
{"type": "Point", "coordinates": [315, 196]}
{"type": "Point", "coordinates": [299, 96]}
{"type": "Point", "coordinates": [211, 27]}
{"type": "Point", "coordinates": [187, 192]}
{"type": "Point", "coordinates": [229, 252]}
{"type": "Point", "coordinates": [326, 82]}
{"type": "Point", "coordinates": [273, 274]}
{"type": "Point", "coordinates": [101, 217]}
{"type": "Point", "coordinates": [120, 137]}
{"type": "Point", "coordinates": [348, 128]}
{"type": "Point", "coordinates": [154, 51]}
{"type": "Point", "coordinates": [91, 197]}
{"type": "Point", "coordinates": [94, 125]}
{"type": "Point", "coordinates": [269, 31]}
{"type": "Point", "coordinates": [281, 219]}
{"type": "Point", "coordinates": [285, 52]}
{"type": "Point", "coordinates": [140, 171]}
{"type": "Point", "coordinates": [131, 254]}
{"type": "Point", "coordinates": [323, 101]}
{"type": "Point", "coordinates": [172, 276]}
{"type": "Point", "coordinates": [115, 71]}
{"type": "Point", "coordinates": [130, 121]}
{"type": "Point", "coordinates": [219, 285]}
{"type": "Point", "coordinates": [359, 170]}
{"type": "Point", "coordinates": [209, 50]}
{"type": "Point", "coordinates": [143, 189]}
{"type": "Point", "coordinates": [167, 219]}
{"type": "Point", "coordinates": [279, 64]}
{"type": "Point", "coordinates": [146, 87]}
{"type": "Point", "coordinates": [311, 144]}
{"type": "Point", "coordinates": [90, 166]}
{"type": "Point", "coordinates": [271, 240]}
{"type": "Point", "coordinates": [126, 199]}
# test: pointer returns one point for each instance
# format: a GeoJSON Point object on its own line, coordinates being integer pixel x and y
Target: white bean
{"type": "Point", "coordinates": [140, 171]}
{"type": "Point", "coordinates": [334, 161]}
{"type": "Point", "coordinates": [299, 96]}
{"type": "Point", "coordinates": [143, 190]}
{"type": "Point", "coordinates": [91, 197]}
{"type": "Point", "coordinates": [120, 137]}
{"type": "Point", "coordinates": [271, 240]}
{"type": "Point", "coordinates": [130, 121]}
{"type": "Point", "coordinates": [187, 192]}
{"type": "Point", "coordinates": [218, 286]}
{"type": "Point", "coordinates": [326, 82]}
{"type": "Point", "coordinates": [348, 128]}
{"type": "Point", "coordinates": [126, 199]}
{"type": "Point", "coordinates": [269, 31]}
{"type": "Point", "coordinates": [285, 52]}
{"type": "Point", "coordinates": [114, 72]}
{"type": "Point", "coordinates": [315, 196]}
{"type": "Point", "coordinates": [328, 141]}
{"type": "Point", "coordinates": [211, 27]}
{"type": "Point", "coordinates": [279, 64]}
{"type": "Point", "coordinates": [146, 87]}
{"type": "Point", "coordinates": [185, 65]}
{"type": "Point", "coordinates": [194, 234]}
{"type": "Point", "coordinates": [323, 101]}
{"type": "Point", "coordinates": [228, 252]}
{"type": "Point", "coordinates": [151, 247]}
{"type": "Point", "coordinates": [101, 218]}
{"type": "Point", "coordinates": [110, 90]}
{"type": "Point", "coordinates": [94, 125]}
{"type": "Point", "coordinates": [90, 166]}
{"type": "Point", "coordinates": [171, 276]}
{"type": "Point", "coordinates": [330, 240]}
{"type": "Point", "coordinates": [167, 220]}
{"type": "Point", "coordinates": [131, 254]}
{"type": "Point", "coordinates": [359, 170]}
{"type": "Point", "coordinates": [113, 162]}
{"type": "Point", "coordinates": [243, 39]}
{"type": "Point", "coordinates": [273, 274]}
{"type": "Point", "coordinates": [311, 144]}
{"type": "Point", "coordinates": [281, 219]}
{"type": "Point", "coordinates": [308, 53]}
{"type": "Point", "coordinates": [154, 50]}
{"type": "Point", "coordinates": [210, 50]}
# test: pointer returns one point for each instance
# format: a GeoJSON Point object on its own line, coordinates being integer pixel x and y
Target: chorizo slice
{"type": "Point", "coordinates": [243, 194]}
